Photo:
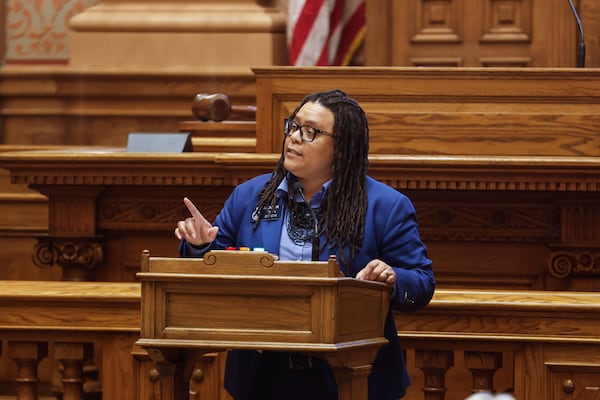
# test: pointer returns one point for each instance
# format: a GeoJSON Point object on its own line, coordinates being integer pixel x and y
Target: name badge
{"type": "Point", "coordinates": [267, 214]}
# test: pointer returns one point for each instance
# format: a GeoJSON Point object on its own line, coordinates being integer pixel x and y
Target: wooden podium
{"type": "Point", "coordinates": [249, 300]}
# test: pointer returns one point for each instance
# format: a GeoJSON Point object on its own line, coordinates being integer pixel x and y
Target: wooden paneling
{"type": "Point", "coordinates": [48, 106]}
{"type": "Point", "coordinates": [192, 33]}
{"type": "Point", "coordinates": [54, 105]}
{"type": "Point", "coordinates": [518, 218]}
{"type": "Point", "coordinates": [506, 147]}
{"type": "Point", "coordinates": [545, 339]}
{"type": "Point", "coordinates": [453, 111]}
{"type": "Point", "coordinates": [589, 11]}
{"type": "Point", "coordinates": [488, 33]}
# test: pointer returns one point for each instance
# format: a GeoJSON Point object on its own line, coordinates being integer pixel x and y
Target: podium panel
{"type": "Point", "coordinates": [249, 300]}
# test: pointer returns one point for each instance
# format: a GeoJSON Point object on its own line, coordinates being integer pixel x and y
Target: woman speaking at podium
{"type": "Point", "coordinates": [319, 201]}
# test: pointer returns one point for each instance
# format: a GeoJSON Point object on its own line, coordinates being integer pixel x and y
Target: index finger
{"type": "Point", "coordinates": [192, 208]}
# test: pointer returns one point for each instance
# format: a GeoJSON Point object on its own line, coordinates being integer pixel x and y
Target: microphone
{"type": "Point", "coordinates": [316, 241]}
{"type": "Point", "coordinates": [581, 47]}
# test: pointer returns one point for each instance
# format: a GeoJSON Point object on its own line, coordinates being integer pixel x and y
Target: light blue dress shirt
{"type": "Point", "coordinates": [288, 249]}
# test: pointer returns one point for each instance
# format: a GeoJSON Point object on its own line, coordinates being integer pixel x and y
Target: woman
{"type": "Point", "coordinates": [319, 197]}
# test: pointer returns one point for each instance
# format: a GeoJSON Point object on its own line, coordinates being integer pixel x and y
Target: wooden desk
{"type": "Point", "coordinates": [106, 206]}
{"type": "Point", "coordinates": [453, 111]}
{"type": "Point", "coordinates": [489, 221]}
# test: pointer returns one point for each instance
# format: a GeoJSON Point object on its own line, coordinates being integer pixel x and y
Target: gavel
{"type": "Point", "coordinates": [217, 107]}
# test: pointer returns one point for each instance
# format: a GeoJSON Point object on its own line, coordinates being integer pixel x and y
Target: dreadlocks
{"type": "Point", "coordinates": [346, 199]}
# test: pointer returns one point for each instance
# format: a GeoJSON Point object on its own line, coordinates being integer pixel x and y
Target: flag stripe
{"type": "Point", "coordinates": [335, 27]}
{"type": "Point", "coordinates": [324, 32]}
{"type": "Point", "coordinates": [310, 50]}
{"type": "Point", "coordinates": [352, 35]}
{"type": "Point", "coordinates": [308, 31]}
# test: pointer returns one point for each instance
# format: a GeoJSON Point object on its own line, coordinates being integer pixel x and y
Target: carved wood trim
{"type": "Point", "coordinates": [437, 21]}
{"type": "Point", "coordinates": [490, 222]}
{"type": "Point", "coordinates": [506, 21]}
{"type": "Point", "coordinates": [78, 256]}
{"type": "Point", "coordinates": [455, 173]}
{"type": "Point", "coordinates": [581, 262]}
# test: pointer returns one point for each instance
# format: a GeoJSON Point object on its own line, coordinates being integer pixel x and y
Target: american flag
{"type": "Point", "coordinates": [324, 32]}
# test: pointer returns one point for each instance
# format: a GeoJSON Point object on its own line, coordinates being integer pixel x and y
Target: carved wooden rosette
{"type": "Point", "coordinates": [581, 262]}
{"type": "Point", "coordinates": [78, 257]}
{"type": "Point", "coordinates": [578, 254]}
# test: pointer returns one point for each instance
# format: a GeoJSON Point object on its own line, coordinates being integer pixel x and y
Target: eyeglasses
{"type": "Point", "coordinates": [307, 133]}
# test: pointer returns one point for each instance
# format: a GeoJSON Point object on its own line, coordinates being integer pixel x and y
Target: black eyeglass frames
{"type": "Point", "coordinates": [307, 133]}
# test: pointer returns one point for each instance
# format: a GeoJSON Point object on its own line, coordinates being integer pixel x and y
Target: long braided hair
{"type": "Point", "coordinates": [346, 200]}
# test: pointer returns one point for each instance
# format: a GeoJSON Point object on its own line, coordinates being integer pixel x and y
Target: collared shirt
{"type": "Point", "coordinates": [288, 249]}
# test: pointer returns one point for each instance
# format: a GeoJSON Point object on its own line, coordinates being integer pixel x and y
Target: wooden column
{"type": "Point", "coordinates": [351, 370]}
{"type": "Point", "coordinates": [72, 242]}
{"type": "Point", "coordinates": [165, 33]}
{"type": "Point", "coordinates": [72, 356]}
{"type": "Point", "coordinates": [483, 365]}
{"type": "Point", "coordinates": [434, 365]}
{"type": "Point", "coordinates": [27, 356]}
{"type": "Point", "coordinates": [170, 374]}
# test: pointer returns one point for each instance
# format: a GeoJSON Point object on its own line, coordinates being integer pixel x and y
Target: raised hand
{"type": "Point", "coordinates": [196, 230]}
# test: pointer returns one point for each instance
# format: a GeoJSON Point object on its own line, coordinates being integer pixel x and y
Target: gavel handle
{"type": "Point", "coordinates": [243, 111]}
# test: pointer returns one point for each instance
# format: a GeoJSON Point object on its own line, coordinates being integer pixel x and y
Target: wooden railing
{"type": "Point", "coordinates": [75, 341]}
{"type": "Point", "coordinates": [538, 345]}
{"type": "Point", "coordinates": [64, 340]}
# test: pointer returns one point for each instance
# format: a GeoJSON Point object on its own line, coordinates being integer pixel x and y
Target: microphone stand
{"type": "Point", "coordinates": [316, 240]}
{"type": "Point", "coordinates": [581, 47]}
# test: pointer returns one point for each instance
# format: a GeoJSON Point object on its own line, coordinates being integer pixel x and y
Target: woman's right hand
{"type": "Point", "coordinates": [195, 230]}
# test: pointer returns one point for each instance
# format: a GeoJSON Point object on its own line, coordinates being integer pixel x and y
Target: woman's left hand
{"type": "Point", "coordinates": [377, 270]}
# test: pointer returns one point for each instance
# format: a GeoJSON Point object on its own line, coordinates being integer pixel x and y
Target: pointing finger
{"type": "Point", "coordinates": [192, 208]}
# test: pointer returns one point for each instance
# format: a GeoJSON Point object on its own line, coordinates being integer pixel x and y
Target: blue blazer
{"type": "Point", "coordinates": [391, 235]}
